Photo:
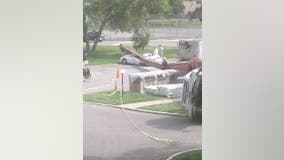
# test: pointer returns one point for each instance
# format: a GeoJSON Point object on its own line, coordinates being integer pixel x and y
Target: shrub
{"type": "Point", "coordinates": [141, 37]}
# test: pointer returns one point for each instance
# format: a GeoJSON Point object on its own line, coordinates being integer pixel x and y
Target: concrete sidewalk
{"type": "Point", "coordinates": [137, 106]}
{"type": "Point", "coordinates": [149, 103]}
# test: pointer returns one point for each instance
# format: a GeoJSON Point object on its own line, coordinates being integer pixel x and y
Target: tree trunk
{"type": "Point", "coordinates": [98, 36]}
{"type": "Point", "coordinates": [94, 47]}
{"type": "Point", "coordinates": [104, 22]}
{"type": "Point", "coordinates": [85, 36]}
{"type": "Point", "coordinates": [87, 46]}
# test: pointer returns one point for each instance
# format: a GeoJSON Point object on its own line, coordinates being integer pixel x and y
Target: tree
{"type": "Point", "coordinates": [141, 37]}
{"type": "Point", "coordinates": [85, 27]}
{"type": "Point", "coordinates": [122, 15]}
{"type": "Point", "coordinates": [196, 14]}
{"type": "Point", "coordinates": [177, 6]}
{"type": "Point", "coordinates": [158, 7]}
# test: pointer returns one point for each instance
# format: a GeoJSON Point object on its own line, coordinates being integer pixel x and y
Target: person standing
{"type": "Point", "coordinates": [161, 51]}
{"type": "Point", "coordinates": [155, 52]}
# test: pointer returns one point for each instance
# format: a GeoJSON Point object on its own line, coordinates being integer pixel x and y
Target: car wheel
{"type": "Point", "coordinates": [124, 61]}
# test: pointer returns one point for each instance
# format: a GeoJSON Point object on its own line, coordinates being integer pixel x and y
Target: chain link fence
{"type": "Point", "coordinates": [163, 29]}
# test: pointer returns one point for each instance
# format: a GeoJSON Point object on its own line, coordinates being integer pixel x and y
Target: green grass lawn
{"type": "Point", "coordinates": [190, 155]}
{"type": "Point", "coordinates": [111, 54]}
{"type": "Point", "coordinates": [129, 97]}
{"type": "Point", "coordinates": [169, 52]}
{"type": "Point", "coordinates": [174, 107]}
{"type": "Point", "coordinates": [105, 55]}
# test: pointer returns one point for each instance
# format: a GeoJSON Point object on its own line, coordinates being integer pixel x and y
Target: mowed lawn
{"type": "Point", "coordinates": [105, 55]}
{"type": "Point", "coordinates": [190, 155]}
{"type": "Point", "coordinates": [112, 54]}
{"type": "Point", "coordinates": [174, 107]}
{"type": "Point", "coordinates": [109, 98]}
{"type": "Point", "coordinates": [169, 52]}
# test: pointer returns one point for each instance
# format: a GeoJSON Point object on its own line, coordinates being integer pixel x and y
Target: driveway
{"type": "Point", "coordinates": [103, 75]}
{"type": "Point", "coordinates": [109, 135]}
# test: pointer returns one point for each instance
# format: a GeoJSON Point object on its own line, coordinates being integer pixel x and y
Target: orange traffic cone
{"type": "Point", "coordinates": [117, 77]}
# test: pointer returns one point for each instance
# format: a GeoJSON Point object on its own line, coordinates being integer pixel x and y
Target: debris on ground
{"type": "Point", "coordinates": [167, 90]}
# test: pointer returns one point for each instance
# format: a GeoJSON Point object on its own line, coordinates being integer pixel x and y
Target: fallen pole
{"type": "Point", "coordinates": [185, 66]}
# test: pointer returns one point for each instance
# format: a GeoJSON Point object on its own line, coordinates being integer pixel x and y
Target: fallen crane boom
{"type": "Point", "coordinates": [185, 66]}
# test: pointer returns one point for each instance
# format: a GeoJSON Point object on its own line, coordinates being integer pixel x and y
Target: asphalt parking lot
{"type": "Point", "coordinates": [103, 76]}
{"type": "Point", "coordinates": [109, 135]}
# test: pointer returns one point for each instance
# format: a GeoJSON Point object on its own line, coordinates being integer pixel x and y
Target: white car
{"type": "Point", "coordinates": [130, 59]}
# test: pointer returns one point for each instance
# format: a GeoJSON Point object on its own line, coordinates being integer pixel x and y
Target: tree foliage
{"type": "Point", "coordinates": [141, 36]}
{"type": "Point", "coordinates": [176, 6]}
{"type": "Point", "coordinates": [196, 14]}
{"type": "Point", "coordinates": [157, 6]}
{"type": "Point", "coordinates": [85, 28]}
{"type": "Point", "coordinates": [121, 15]}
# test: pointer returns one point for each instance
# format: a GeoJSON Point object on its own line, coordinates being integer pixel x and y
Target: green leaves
{"type": "Point", "coordinates": [157, 6]}
{"type": "Point", "coordinates": [123, 15]}
{"type": "Point", "coordinates": [141, 37]}
{"type": "Point", "coordinates": [177, 6]}
{"type": "Point", "coordinates": [197, 14]}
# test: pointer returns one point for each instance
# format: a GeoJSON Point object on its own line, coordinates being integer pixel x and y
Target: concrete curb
{"type": "Point", "coordinates": [138, 110]}
{"type": "Point", "coordinates": [170, 158]}
{"type": "Point", "coordinates": [154, 102]}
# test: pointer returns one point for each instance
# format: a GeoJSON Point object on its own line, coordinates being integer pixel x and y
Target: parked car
{"type": "Point", "coordinates": [130, 59]}
{"type": "Point", "coordinates": [93, 35]}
